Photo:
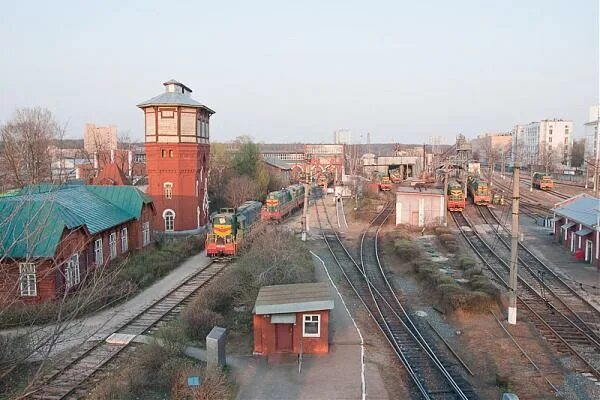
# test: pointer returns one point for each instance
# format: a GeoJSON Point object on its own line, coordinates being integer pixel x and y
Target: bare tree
{"type": "Point", "coordinates": [26, 140]}
{"type": "Point", "coordinates": [240, 189]}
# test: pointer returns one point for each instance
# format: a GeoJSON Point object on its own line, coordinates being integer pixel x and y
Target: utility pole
{"type": "Point", "coordinates": [445, 197]}
{"type": "Point", "coordinates": [596, 151]}
{"type": "Point", "coordinates": [512, 299]}
{"type": "Point", "coordinates": [307, 178]}
{"type": "Point", "coordinates": [503, 163]}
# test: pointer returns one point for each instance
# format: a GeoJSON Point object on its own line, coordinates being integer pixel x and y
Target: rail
{"type": "Point", "coordinates": [424, 367]}
{"type": "Point", "coordinates": [92, 356]}
{"type": "Point", "coordinates": [553, 321]}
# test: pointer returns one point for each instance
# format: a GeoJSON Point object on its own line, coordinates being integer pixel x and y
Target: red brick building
{"type": "Point", "coordinates": [51, 236]}
{"type": "Point", "coordinates": [177, 158]}
{"type": "Point", "coordinates": [292, 319]}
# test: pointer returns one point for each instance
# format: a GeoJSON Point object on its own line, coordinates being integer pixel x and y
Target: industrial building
{"type": "Point", "coordinates": [420, 206]}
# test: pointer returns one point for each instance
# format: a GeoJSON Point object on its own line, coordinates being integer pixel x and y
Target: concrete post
{"type": "Point", "coordinates": [512, 300]}
{"type": "Point", "coordinates": [215, 347]}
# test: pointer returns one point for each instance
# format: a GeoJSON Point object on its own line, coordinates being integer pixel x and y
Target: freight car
{"type": "Point", "coordinates": [324, 179]}
{"type": "Point", "coordinates": [229, 227]}
{"type": "Point", "coordinates": [456, 196]}
{"type": "Point", "coordinates": [542, 181]}
{"type": "Point", "coordinates": [281, 203]}
{"type": "Point", "coordinates": [479, 191]}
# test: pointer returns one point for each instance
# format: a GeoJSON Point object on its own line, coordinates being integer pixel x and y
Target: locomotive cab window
{"type": "Point", "coordinates": [311, 325]}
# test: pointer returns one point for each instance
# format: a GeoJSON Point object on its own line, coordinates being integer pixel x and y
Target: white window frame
{"type": "Point", "coordinates": [72, 271]}
{"type": "Point", "coordinates": [169, 227]}
{"type": "Point", "coordinates": [112, 245]}
{"type": "Point", "coordinates": [98, 253]}
{"type": "Point", "coordinates": [27, 279]}
{"type": "Point", "coordinates": [168, 190]}
{"type": "Point", "coordinates": [124, 241]}
{"type": "Point", "coordinates": [145, 233]}
{"type": "Point", "coordinates": [310, 319]}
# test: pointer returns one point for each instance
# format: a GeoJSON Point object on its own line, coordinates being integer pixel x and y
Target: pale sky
{"type": "Point", "coordinates": [285, 71]}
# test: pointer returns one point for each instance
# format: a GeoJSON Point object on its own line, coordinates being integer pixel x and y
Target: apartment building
{"type": "Point", "coordinates": [590, 129]}
{"type": "Point", "coordinates": [544, 144]}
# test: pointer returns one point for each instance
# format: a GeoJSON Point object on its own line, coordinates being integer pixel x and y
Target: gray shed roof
{"type": "Point", "coordinates": [277, 163]}
{"type": "Point", "coordinates": [293, 298]}
{"type": "Point", "coordinates": [416, 191]}
{"type": "Point", "coordinates": [583, 209]}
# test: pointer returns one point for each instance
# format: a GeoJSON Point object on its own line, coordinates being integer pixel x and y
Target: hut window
{"type": "Point", "coordinates": [72, 274]}
{"type": "Point", "coordinates": [98, 252]}
{"type": "Point", "coordinates": [145, 233]}
{"type": "Point", "coordinates": [124, 242]}
{"type": "Point", "coordinates": [27, 279]}
{"type": "Point", "coordinates": [112, 241]}
{"type": "Point", "coordinates": [312, 325]}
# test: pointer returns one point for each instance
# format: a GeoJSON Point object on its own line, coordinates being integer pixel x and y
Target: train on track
{"type": "Point", "coordinates": [229, 227]}
{"type": "Point", "coordinates": [386, 184]}
{"type": "Point", "coordinates": [281, 203]}
{"type": "Point", "coordinates": [456, 196]}
{"type": "Point", "coordinates": [324, 179]}
{"type": "Point", "coordinates": [395, 175]}
{"type": "Point", "coordinates": [383, 182]}
{"type": "Point", "coordinates": [542, 181]}
{"type": "Point", "coordinates": [479, 191]}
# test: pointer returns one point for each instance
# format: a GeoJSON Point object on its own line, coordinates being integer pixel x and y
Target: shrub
{"type": "Point", "coordinates": [199, 321]}
{"type": "Point", "coordinates": [442, 230]}
{"type": "Point", "coordinates": [406, 250]}
{"type": "Point", "coordinates": [219, 295]}
{"type": "Point", "coordinates": [454, 297]}
{"type": "Point", "coordinates": [466, 262]}
{"type": "Point", "coordinates": [215, 385]}
{"type": "Point", "coordinates": [472, 272]}
{"type": "Point", "coordinates": [276, 257]}
{"type": "Point", "coordinates": [443, 279]}
{"type": "Point", "coordinates": [427, 272]}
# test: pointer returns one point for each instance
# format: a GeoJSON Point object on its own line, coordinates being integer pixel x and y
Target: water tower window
{"type": "Point", "coordinates": [163, 153]}
{"type": "Point", "coordinates": [171, 153]}
{"type": "Point", "coordinates": [167, 114]}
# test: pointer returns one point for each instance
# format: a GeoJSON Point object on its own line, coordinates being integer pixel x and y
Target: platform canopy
{"type": "Point", "coordinates": [293, 298]}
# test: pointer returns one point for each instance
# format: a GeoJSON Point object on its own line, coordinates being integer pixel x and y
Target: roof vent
{"type": "Point", "coordinates": [172, 86]}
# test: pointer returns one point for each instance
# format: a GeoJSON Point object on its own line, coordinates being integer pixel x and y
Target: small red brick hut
{"type": "Point", "coordinates": [292, 319]}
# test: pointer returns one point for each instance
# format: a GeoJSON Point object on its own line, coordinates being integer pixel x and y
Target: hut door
{"type": "Point", "coordinates": [284, 336]}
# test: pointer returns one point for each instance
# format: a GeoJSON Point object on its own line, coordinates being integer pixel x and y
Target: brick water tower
{"type": "Point", "coordinates": [177, 154]}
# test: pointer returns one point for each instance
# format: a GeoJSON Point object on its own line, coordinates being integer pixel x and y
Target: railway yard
{"type": "Point", "coordinates": [427, 325]}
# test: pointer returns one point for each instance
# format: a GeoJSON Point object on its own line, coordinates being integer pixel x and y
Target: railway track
{"type": "Point", "coordinates": [91, 357]}
{"type": "Point", "coordinates": [536, 272]}
{"type": "Point", "coordinates": [432, 376]}
{"type": "Point", "coordinates": [553, 192]}
{"type": "Point", "coordinates": [554, 320]}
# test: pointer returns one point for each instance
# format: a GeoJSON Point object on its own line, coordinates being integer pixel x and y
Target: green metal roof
{"type": "Point", "coordinates": [33, 222]}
